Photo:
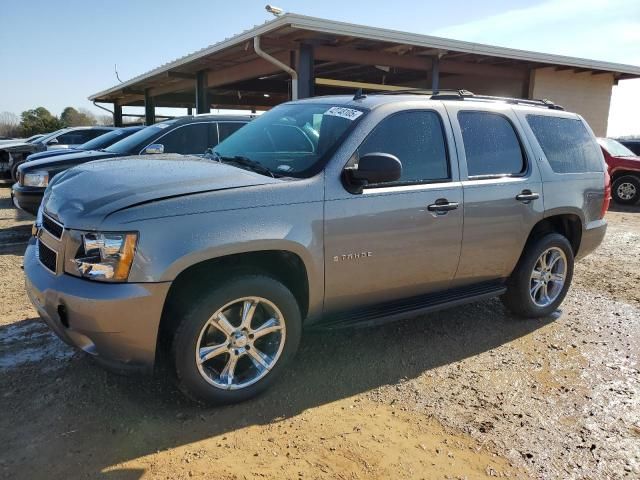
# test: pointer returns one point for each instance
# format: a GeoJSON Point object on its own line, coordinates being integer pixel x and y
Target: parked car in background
{"type": "Point", "coordinates": [399, 204]}
{"type": "Point", "coordinates": [12, 154]}
{"type": "Point", "coordinates": [98, 143]}
{"type": "Point", "coordinates": [631, 144]}
{"type": "Point", "coordinates": [185, 135]}
{"type": "Point", "coordinates": [624, 169]}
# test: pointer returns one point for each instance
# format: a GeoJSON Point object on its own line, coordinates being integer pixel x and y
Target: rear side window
{"type": "Point", "coordinates": [566, 143]}
{"type": "Point", "coordinates": [417, 139]}
{"type": "Point", "coordinates": [227, 128]}
{"type": "Point", "coordinates": [491, 145]}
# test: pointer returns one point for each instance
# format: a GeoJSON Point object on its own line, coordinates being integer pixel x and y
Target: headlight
{"type": "Point", "coordinates": [106, 257]}
{"type": "Point", "coordinates": [35, 179]}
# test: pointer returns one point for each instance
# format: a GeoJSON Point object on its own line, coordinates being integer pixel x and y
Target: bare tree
{"type": "Point", "coordinates": [9, 124]}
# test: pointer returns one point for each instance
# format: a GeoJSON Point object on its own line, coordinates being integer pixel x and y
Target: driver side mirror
{"type": "Point", "coordinates": [53, 141]}
{"type": "Point", "coordinates": [373, 168]}
{"type": "Point", "coordinates": [154, 149]}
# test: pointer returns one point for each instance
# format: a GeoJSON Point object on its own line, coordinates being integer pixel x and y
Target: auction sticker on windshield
{"type": "Point", "coordinates": [348, 113]}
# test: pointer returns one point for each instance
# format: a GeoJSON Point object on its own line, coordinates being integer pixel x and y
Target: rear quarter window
{"type": "Point", "coordinates": [567, 144]}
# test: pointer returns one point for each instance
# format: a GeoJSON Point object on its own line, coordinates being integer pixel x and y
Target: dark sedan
{"type": "Point", "coordinates": [98, 143]}
{"type": "Point", "coordinates": [185, 135]}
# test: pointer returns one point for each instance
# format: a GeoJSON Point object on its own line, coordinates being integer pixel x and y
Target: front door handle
{"type": "Point", "coordinates": [442, 206]}
{"type": "Point", "coordinates": [527, 196]}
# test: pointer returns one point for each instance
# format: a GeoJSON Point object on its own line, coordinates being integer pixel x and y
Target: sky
{"type": "Point", "coordinates": [55, 53]}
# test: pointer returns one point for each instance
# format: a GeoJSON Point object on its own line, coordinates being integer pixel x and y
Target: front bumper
{"type": "Point", "coordinates": [117, 323]}
{"type": "Point", "coordinates": [27, 199]}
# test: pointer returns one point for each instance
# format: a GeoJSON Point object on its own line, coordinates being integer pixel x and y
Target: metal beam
{"type": "Point", "coordinates": [330, 82]}
{"type": "Point", "coordinates": [149, 108]}
{"type": "Point", "coordinates": [203, 105]}
{"type": "Point", "coordinates": [117, 114]}
{"type": "Point", "coordinates": [408, 62]}
{"type": "Point", "coordinates": [246, 71]}
{"type": "Point", "coordinates": [435, 73]}
{"type": "Point", "coordinates": [304, 67]}
{"type": "Point", "coordinates": [171, 74]}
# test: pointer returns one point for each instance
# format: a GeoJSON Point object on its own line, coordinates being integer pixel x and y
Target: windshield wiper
{"type": "Point", "coordinates": [244, 162]}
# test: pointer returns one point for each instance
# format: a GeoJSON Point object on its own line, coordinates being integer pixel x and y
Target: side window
{"type": "Point", "coordinates": [417, 139]}
{"type": "Point", "coordinates": [86, 135]}
{"type": "Point", "coordinates": [227, 128]}
{"type": "Point", "coordinates": [491, 144]}
{"type": "Point", "coordinates": [188, 139]}
{"type": "Point", "coordinates": [566, 143]}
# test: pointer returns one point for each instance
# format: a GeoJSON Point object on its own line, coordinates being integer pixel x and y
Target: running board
{"type": "Point", "coordinates": [411, 307]}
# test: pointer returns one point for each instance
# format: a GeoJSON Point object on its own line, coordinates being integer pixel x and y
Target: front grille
{"type": "Point", "coordinates": [47, 256]}
{"type": "Point", "coordinates": [53, 227]}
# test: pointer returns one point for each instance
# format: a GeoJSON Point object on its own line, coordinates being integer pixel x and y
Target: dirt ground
{"type": "Point", "coordinates": [465, 393]}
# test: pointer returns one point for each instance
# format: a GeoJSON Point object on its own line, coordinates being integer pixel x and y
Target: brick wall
{"type": "Point", "coordinates": [586, 94]}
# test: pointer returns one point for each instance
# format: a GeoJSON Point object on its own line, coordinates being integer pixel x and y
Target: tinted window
{"type": "Point", "coordinates": [416, 138]}
{"type": "Point", "coordinates": [566, 143]}
{"type": "Point", "coordinates": [108, 138]}
{"type": "Point", "coordinates": [192, 138]}
{"type": "Point", "coordinates": [227, 128]}
{"type": "Point", "coordinates": [140, 139]}
{"type": "Point", "coordinates": [490, 144]}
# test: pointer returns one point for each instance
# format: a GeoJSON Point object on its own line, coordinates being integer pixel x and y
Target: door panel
{"type": "Point", "coordinates": [385, 243]}
{"type": "Point", "coordinates": [382, 246]}
{"type": "Point", "coordinates": [496, 223]}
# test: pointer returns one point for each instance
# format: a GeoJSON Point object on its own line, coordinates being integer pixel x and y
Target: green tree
{"type": "Point", "coordinates": [38, 120]}
{"type": "Point", "coordinates": [71, 117]}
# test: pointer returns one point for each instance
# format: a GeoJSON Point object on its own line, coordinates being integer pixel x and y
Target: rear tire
{"type": "Point", "coordinates": [244, 359]}
{"type": "Point", "coordinates": [542, 277]}
{"type": "Point", "coordinates": [626, 190]}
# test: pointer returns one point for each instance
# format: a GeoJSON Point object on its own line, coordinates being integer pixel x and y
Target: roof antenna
{"type": "Point", "coordinates": [359, 95]}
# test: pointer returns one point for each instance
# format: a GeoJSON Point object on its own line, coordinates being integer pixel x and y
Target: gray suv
{"type": "Point", "coordinates": [342, 210]}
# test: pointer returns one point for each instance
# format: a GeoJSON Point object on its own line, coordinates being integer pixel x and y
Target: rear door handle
{"type": "Point", "coordinates": [527, 196]}
{"type": "Point", "coordinates": [442, 206]}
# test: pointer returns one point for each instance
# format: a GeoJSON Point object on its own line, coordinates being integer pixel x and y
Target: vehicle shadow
{"type": "Point", "coordinates": [123, 418]}
{"type": "Point", "coordinates": [616, 207]}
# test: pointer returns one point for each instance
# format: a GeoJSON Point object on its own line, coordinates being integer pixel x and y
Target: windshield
{"type": "Point", "coordinates": [292, 139]}
{"type": "Point", "coordinates": [49, 136]}
{"type": "Point", "coordinates": [615, 149]}
{"type": "Point", "coordinates": [131, 144]}
{"type": "Point", "coordinates": [107, 139]}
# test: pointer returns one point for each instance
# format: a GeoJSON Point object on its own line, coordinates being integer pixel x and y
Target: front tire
{"type": "Point", "coordinates": [542, 277]}
{"type": "Point", "coordinates": [626, 190]}
{"type": "Point", "coordinates": [235, 340]}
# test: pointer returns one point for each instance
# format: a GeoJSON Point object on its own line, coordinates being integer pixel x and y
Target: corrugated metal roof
{"type": "Point", "coordinates": [333, 27]}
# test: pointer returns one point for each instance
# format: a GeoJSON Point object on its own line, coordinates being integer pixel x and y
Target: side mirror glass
{"type": "Point", "coordinates": [53, 141]}
{"type": "Point", "coordinates": [154, 148]}
{"type": "Point", "coordinates": [373, 168]}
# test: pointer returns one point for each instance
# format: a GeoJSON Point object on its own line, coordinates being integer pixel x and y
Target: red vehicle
{"type": "Point", "coordinates": [624, 169]}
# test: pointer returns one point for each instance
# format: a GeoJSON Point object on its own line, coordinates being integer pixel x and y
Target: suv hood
{"type": "Point", "coordinates": [84, 196]}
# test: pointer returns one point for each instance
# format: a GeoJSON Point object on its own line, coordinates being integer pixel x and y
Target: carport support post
{"type": "Point", "coordinates": [435, 74]}
{"type": "Point", "coordinates": [202, 95]}
{"type": "Point", "coordinates": [149, 108]}
{"type": "Point", "coordinates": [117, 115]}
{"type": "Point", "coordinates": [304, 67]}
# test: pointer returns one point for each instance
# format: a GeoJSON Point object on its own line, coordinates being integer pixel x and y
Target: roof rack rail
{"type": "Point", "coordinates": [462, 94]}
{"type": "Point", "coordinates": [520, 101]}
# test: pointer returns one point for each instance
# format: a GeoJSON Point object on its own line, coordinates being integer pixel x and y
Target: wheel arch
{"type": "Point", "coordinates": [285, 266]}
{"type": "Point", "coordinates": [570, 225]}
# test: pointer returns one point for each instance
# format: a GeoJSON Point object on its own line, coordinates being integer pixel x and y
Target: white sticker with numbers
{"type": "Point", "coordinates": [348, 113]}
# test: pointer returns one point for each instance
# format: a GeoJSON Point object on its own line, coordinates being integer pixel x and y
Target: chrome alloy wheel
{"type": "Point", "coordinates": [626, 191]}
{"type": "Point", "coordinates": [548, 276]}
{"type": "Point", "coordinates": [240, 343]}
